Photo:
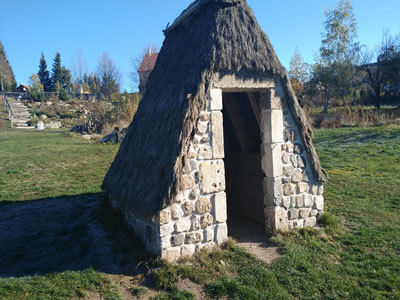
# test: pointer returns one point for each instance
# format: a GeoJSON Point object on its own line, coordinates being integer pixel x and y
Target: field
{"type": "Point", "coordinates": [56, 240]}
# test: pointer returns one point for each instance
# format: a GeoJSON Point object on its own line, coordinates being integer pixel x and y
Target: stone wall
{"type": "Point", "coordinates": [293, 198]}
{"type": "Point", "coordinates": [197, 217]}
{"type": "Point", "coordinates": [147, 228]}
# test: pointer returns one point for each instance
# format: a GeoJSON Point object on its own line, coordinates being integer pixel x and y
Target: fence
{"type": "Point", "coordinates": [9, 109]}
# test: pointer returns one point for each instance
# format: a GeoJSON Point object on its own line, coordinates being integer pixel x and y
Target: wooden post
{"type": "Point", "coordinates": [255, 108]}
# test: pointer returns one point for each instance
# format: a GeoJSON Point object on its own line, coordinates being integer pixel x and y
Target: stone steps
{"type": "Point", "coordinates": [20, 115]}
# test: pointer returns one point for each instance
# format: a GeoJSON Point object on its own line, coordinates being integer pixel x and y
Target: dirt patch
{"type": "Point", "coordinates": [196, 289]}
{"type": "Point", "coordinates": [251, 236]}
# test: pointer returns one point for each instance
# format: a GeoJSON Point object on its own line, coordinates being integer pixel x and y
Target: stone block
{"type": "Point", "coordinates": [178, 240]}
{"type": "Point", "coordinates": [187, 182]}
{"type": "Point", "coordinates": [192, 155]}
{"type": "Point", "coordinates": [183, 225]}
{"type": "Point", "coordinates": [171, 254]}
{"type": "Point", "coordinates": [205, 152]}
{"type": "Point", "coordinates": [272, 191]}
{"type": "Point", "coordinates": [301, 162]}
{"type": "Point", "coordinates": [310, 222]}
{"type": "Point", "coordinates": [194, 194]}
{"type": "Point", "coordinates": [188, 250]}
{"type": "Point", "coordinates": [293, 160]}
{"type": "Point", "coordinates": [273, 99]}
{"type": "Point", "coordinates": [176, 211]}
{"type": "Point", "coordinates": [285, 157]}
{"type": "Point", "coordinates": [302, 187]}
{"type": "Point", "coordinates": [308, 200]}
{"type": "Point", "coordinates": [206, 220]}
{"type": "Point", "coordinates": [166, 229]}
{"type": "Point", "coordinates": [217, 134]}
{"type": "Point", "coordinates": [194, 237]}
{"type": "Point", "coordinates": [286, 202]}
{"type": "Point", "coordinates": [296, 224]}
{"type": "Point", "coordinates": [293, 214]}
{"type": "Point", "coordinates": [203, 205]}
{"type": "Point", "coordinates": [319, 203]}
{"type": "Point", "coordinates": [293, 202]}
{"type": "Point", "coordinates": [314, 189]}
{"type": "Point", "coordinates": [299, 201]}
{"type": "Point", "coordinates": [209, 234]}
{"type": "Point", "coordinates": [298, 149]}
{"type": "Point", "coordinates": [165, 216]}
{"type": "Point", "coordinates": [288, 189]}
{"type": "Point", "coordinates": [220, 210]}
{"type": "Point", "coordinates": [314, 213]}
{"type": "Point", "coordinates": [188, 208]}
{"type": "Point", "coordinates": [205, 140]}
{"type": "Point", "coordinates": [276, 219]}
{"type": "Point", "coordinates": [201, 128]}
{"type": "Point", "coordinates": [297, 175]}
{"type": "Point", "coordinates": [304, 212]}
{"type": "Point", "coordinates": [272, 160]}
{"type": "Point", "coordinates": [215, 96]}
{"type": "Point", "coordinates": [166, 242]}
{"type": "Point", "coordinates": [320, 190]}
{"type": "Point", "coordinates": [204, 116]}
{"type": "Point", "coordinates": [288, 171]}
{"type": "Point", "coordinates": [194, 165]}
{"type": "Point", "coordinates": [195, 220]}
{"type": "Point", "coordinates": [212, 176]}
{"type": "Point", "coordinates": [221, 233]}
{"type": "Point", "coordinates": [272, 120]}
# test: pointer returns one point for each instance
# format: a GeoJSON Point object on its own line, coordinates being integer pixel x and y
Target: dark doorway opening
{"type": "Point", "coordinates": [243, 170]}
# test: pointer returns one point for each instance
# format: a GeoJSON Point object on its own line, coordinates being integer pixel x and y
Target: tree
{"type": "Point", "coordinates": [35, 92]}
{"type": "Point", "coordinates": [60, 75]}
{"type": "Point", "coordinates": [297, 73]}
{"type": "Point", "coordinates": [93, 82]}
{"type": "Point", "coordinates": [339, 53]}
{"type": "Point", "coordinates": [79, 71]}
{"type": "Point", "coordinates": [110, 76]}
{"type": "Point", "coordinates": [44, 75]}
{"type": "Point", "coordinates": [381, 69]}
{"type": "Point", "coordinates": [7, 78]}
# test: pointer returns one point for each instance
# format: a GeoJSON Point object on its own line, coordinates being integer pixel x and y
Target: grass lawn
{"type": "Point", "coordinates": [356, 255]}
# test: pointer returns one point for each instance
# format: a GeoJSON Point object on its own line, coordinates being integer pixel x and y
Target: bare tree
{"type": "Point", "coordinates": [381, 67]}
{"type": "Point", "coordinates": [136, 62]}
{"type": "Point", "coordinates": [110, 76]}
{"type": "Point", "coordinates": [79, 69]}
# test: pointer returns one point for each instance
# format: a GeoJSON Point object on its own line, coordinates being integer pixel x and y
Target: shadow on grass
{"type": "Point", "coordinates": [66, 234]}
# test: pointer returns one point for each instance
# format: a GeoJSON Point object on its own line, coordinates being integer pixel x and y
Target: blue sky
{"type": "Point", "coordinates": [122, 28]}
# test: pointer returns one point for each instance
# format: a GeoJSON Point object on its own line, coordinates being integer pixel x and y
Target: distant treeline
{"type": "Point", "coordinates": [345, 72]}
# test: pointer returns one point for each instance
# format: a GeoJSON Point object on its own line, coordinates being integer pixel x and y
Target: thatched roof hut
{"type": "Point", "coordinates": [213, 47]}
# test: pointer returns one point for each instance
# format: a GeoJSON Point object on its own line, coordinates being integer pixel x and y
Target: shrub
{"type": "Point", "coordinates": [36, 95]}
{"type": "Point", "coordinates": [33, 122]}
{"type": "Point", "coordinates": [63, 95]}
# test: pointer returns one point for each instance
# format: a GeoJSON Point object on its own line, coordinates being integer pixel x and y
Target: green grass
{"type": "Point", "coordinates": [36, 164]}
{"type": "Point", "coordinates": [66, 285]}
{"type": "Point", "coordinates": [355, 255]}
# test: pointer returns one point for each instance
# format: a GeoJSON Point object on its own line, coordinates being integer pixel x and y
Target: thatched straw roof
{"type": "Point", "coordinates": [210, 36]}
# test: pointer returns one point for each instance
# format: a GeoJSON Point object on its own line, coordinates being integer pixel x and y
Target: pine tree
{"type": "Point", "coordinates": [7, 78]}
{"type": "Point", "coordinates": [60, 76]}
{"type": "Point", "coordinates": [56, 71]}
{"type": "Point", "coordinates": [44, 75]}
